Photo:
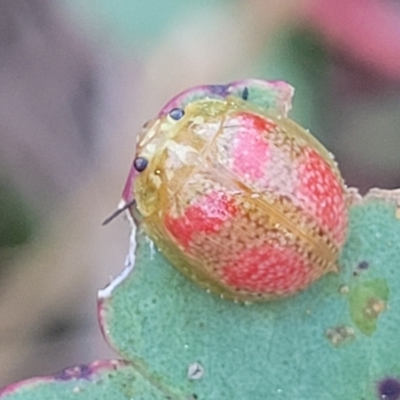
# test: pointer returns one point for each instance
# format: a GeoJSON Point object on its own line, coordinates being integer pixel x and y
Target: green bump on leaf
{"type": "Point", "coordinates": [169, 327]}
{"type": "Point", "coordinates": [101, 380]}
{"type": "Point", "coordinates": [367, 301]}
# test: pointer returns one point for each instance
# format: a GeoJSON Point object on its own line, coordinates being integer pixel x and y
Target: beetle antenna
{"type": "Point", "coordinates": [118, 211]}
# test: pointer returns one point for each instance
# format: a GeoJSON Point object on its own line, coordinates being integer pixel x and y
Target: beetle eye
{"type": "Point", "coordinates": [176, 113]}
{"type": "Point", "coordinates": [140, 163]}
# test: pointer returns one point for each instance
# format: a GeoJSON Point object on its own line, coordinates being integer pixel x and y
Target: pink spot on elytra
{"type": "Point", "coordinates": [251, 151]}
{"type": "Point", "coordinates": [206, 215]}
{"type": "Point", "coordinates": [322, 194]}
{"type": "Point", "coordinates": [268, 269]}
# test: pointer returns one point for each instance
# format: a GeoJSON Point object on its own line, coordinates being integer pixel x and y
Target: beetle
{"type": "Point", "coordinates": [237, 196]}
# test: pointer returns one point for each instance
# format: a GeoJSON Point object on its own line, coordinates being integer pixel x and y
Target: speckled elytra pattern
{"type": "Point", "coordinates": [243, 201]}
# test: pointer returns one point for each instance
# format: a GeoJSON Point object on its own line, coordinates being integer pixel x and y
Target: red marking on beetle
{"type": "Point", "coordinates": [206, 215]}
{"type": "Point", "coordinates": [268, 269]}
{"type": "Point", "coordinates": [251, 150]}
{"type": "Point", "coordinates": [321, 193]}
{"type": "Point", "coordinates": [256, 122]}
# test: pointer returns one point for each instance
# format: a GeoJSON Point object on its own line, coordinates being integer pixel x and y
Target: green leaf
{"type": "Point", "coordinates": [100, 380]}
{"type": "Point", "coordinates": [337, 340]}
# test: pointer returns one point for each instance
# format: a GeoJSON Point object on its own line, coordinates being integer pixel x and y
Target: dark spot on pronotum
{"type": "Point", "coordinates": [176, 113]}
{"type": "Point", "coordinates": [245, 94]}
{"type": "Point", "coordinates": [119, 211]}
{"type": "Point", "coordinates": [363, 265]}
{"type": "Point", "coordinates": [389, 389]}
{"type": "Point", "coordinates": [79, 372]}
{"type": "Point", "coordinates": [140, 163]}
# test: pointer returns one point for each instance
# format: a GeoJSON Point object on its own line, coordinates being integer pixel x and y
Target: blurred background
{"type": "Point", "coordinates": [78, 78]}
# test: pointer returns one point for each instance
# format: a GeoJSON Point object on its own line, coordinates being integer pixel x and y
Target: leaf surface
{"type": "Point", "coordinates": [336, 340]}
